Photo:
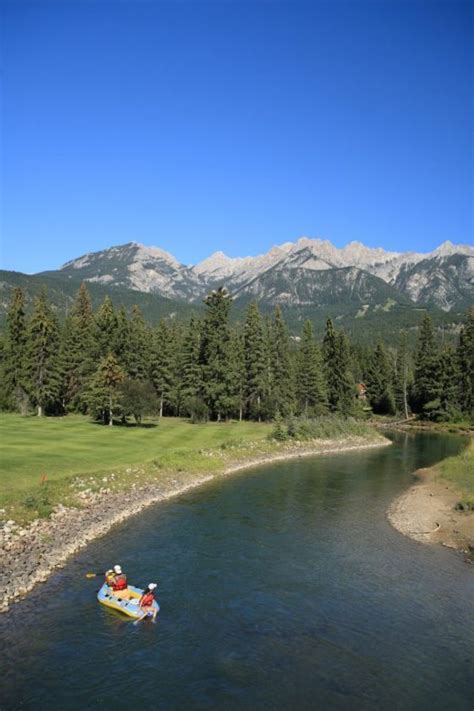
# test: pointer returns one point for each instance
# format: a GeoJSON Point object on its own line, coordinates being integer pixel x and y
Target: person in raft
{"type": "Point", "coordinates": [119, 582]}
{"type": "Point", "coordinates": [109, 577]}
{"type": "Point", "coordinates": [147, 600]}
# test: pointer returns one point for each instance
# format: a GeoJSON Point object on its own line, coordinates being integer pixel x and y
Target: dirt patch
{"type": "Point", "coordinates": [426, 513]}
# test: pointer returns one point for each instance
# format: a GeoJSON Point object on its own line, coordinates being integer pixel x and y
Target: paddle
{"type": "Point", "coordinates": [93, 575]}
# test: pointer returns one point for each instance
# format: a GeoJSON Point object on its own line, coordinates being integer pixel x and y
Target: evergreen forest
{"type": "Point", "coordinates": [113, 365]}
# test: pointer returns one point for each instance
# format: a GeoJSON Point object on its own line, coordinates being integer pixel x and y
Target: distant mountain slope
{"type": "Point", "coordinates": [369, 291]}
{"type": "Point", "coordinates": [443, 278]}
{"type": "Point", "coordinates": [134, 266]}
{"type": "Point", "coordinates": [62, 290]}
{"type": "Point", "coordinates": [298, 286]}
{"type": "Point", "coordinates": [443, 281]}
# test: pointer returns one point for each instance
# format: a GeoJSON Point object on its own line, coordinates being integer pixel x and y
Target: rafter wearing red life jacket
{"type": "Point", "coordinates": [120, 582]}
{"type": "Point", "coordinates": [147, 599]}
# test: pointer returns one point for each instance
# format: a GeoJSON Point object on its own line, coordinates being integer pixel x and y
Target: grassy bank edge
{"type": "Point", "coordinates": [80, 490]}
{"type": "Point", "coordinates": [459, 471]}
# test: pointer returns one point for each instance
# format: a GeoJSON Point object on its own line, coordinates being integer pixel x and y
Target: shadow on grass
{"type": "Point", "coordinates": [119, 424]}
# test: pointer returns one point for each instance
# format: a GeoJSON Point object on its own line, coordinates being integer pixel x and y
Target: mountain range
{"type": "Point", "coordinates": [312, 278]}
{"type": "Point", "coordinates": [307, 272]}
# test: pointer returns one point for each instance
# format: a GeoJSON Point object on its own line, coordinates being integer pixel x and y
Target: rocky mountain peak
{"type": "Point", "coordinates": [444, 276]}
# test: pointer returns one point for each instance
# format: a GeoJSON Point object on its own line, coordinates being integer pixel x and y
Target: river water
{"type": "Point", "coordinates": [282, 587]}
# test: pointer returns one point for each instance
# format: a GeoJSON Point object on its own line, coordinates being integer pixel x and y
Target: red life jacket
{"type": "Point", "coordinates": [147, 599]}
{"type": "Point", "coordinates": [120, 582]}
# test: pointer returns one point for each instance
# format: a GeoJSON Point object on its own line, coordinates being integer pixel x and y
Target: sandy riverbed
{"type": "Point", "coordinates": [47, 544]}
{"type": "Point", "coordinates": [426, 513]}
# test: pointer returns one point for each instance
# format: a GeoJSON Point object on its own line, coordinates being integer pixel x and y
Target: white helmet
{"type": "Point", "coordinates": [117, 569]}
{"type": "Point", "coordinates": [152, 586]}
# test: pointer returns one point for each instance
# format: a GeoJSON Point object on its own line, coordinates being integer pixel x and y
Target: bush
{"type": "Point", "coordinates": [279, 432]}
{"type": "Point", "coordinates": [197, 410]}
{"type": "Point", "coordinates": [328, 427]}
{"type": "Point", "coordinates": [466, 504]}
{"type": "Point", "coordinates": [39, 503]}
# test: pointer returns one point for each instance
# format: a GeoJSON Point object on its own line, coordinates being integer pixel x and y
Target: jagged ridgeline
{"type": "Point", "coordinates": [368, 292]}
{"type": "Point", "coordinates": [112, 363]}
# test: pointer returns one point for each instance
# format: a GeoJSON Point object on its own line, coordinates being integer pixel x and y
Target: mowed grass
{"type": "Point", "coordinates": [58, 448]}
{"type": "Point", "coordinates": [459, 471]}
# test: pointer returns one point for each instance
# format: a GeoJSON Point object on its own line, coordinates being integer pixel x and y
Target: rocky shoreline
{"type": "Point", "coordinates": [426, 513]}
{"type": "Point", "coordinates": [29, 555]}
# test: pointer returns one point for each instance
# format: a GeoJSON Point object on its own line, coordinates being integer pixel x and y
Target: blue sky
{"type": "Point", "coordinates": [204, 126]}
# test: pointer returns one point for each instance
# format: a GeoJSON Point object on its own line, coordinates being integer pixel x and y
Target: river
{"type": "Point", "coordinates": [282, 587]}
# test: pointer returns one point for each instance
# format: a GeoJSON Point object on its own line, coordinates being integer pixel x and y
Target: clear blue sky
{"type": "Point", "coordinates": [202, 126]}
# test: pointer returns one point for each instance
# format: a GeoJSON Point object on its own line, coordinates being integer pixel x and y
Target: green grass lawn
{"type": "Point", "coordinates": [459, 470]}
{"type": "Point", "coordinates": [74, 454]}
{"type": "Point", "coordinates": [31, 447]}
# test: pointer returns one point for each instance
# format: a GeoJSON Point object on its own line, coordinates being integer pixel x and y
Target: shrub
{"type": "Point", "coordinates": [197, 409]}
{"type": "Point", "coordinates": [328, 427]}
{"type": "Point", "coordinates": [39, 503]}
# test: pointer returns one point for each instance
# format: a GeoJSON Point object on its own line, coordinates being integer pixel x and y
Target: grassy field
{"type": "Point", "coordinates": [46, 461]}
{"type": "Point", "coordinates": [459, 471]}
{"type": "Point", "coordinates": [31, 447]}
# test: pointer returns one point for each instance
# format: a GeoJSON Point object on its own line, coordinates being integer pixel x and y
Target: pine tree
{"type": "Point", "coordinates": [403, 376]}
{"type": "Point", "coordinates": [237, 372]}
{"type": "Point", "coordinates": [255, 360]}
{"type": "Point", "coordinates": [449, 404]}
{"type": "Point", "coordinates": [379, 381]}
{"type": "Point", "coordinates": [105, 330]}
{"type": "Point", "coordinates": [465, 361]}
{"type": "Point", "coordinates": [215, 354]}
{"type": "Point", "coordinates": [14, 375]}
{"type": "Point", "coordinates": [282, 383]}
{"type": "Point", "coordinates": [77, 351]}
{"type": "Point", "coordinates": [310, 383]}
{"type": "Point", "coordinates": [138, 347]}
{"type": "Point", "coordinates": [163, 365]}
{"type": "Point", "coordinates": [340, 384]}
{"type": "Point", "coordinates": [427, 375]}
{"type": "Point", "coordinates": [120, 342]}
{"type": "Point", "coordinates": [43, 355]}
{"type": "Point", "coordinates": [191, 385]}
{"type": "Point", "coordinates": [104, 393]}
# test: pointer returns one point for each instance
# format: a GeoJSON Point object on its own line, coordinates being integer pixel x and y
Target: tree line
{"type": "Point", "coordinates": [111, 364]}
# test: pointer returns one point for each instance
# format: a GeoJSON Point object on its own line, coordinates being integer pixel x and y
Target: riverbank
{"type": "Point", "coordinates": [29, 555]}
{"type": "Point", "coordinates": [438, 507]}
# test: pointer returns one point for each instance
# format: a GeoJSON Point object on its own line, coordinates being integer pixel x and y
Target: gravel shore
{"type": "Point", "coordinates": [426, 514]}
{"type": "Point", "coordinates": [29, 555]}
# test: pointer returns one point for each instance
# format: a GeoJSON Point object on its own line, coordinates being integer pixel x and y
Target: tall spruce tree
{"type": "Point", "coordinates": [138, 346]}
{"type": "Point", "coordinates": [449, 404]}
{"type": "Point", "coordinates": [77, 352]}
{"type": "Point", "coordinates": [403, 376]}
{"type": "Point", "coordinates": [163, 364]}
{"type": "Point", "coordinates": [215, 354]}
{"type": "Point", "coordinates": [120, 344]}
{"type": "Point", "coordinates": [379, 381]}
{"type": "Point", "coordinates": [14, 374]}
{"type": "Point", "coordinates": [105, 331]}
{"type": "Point", "coordinates": [104, 393]}
{"type": "Point", "coordinates": [310, 381]}
{"type": "Point", "coordinates": [465, 364]}
{"type": "Point", "coordinates": [190, 376]}
{"type": "Point", "coordinates": [237, 372]}
{"type": "Point", "coordinates": [283, 382]}
{"type": "Point", "coordinates": [427, 375]}
{"type": "Point", "coordinates": [255, 360]}
{"type": "Point", "coordinates": [43, 365]}
{"type": "Point", "coordinates": [340, 384]}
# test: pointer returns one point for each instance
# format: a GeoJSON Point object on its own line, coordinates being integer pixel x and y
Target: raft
{"type": "Point", "coordinates": [125, 601]}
